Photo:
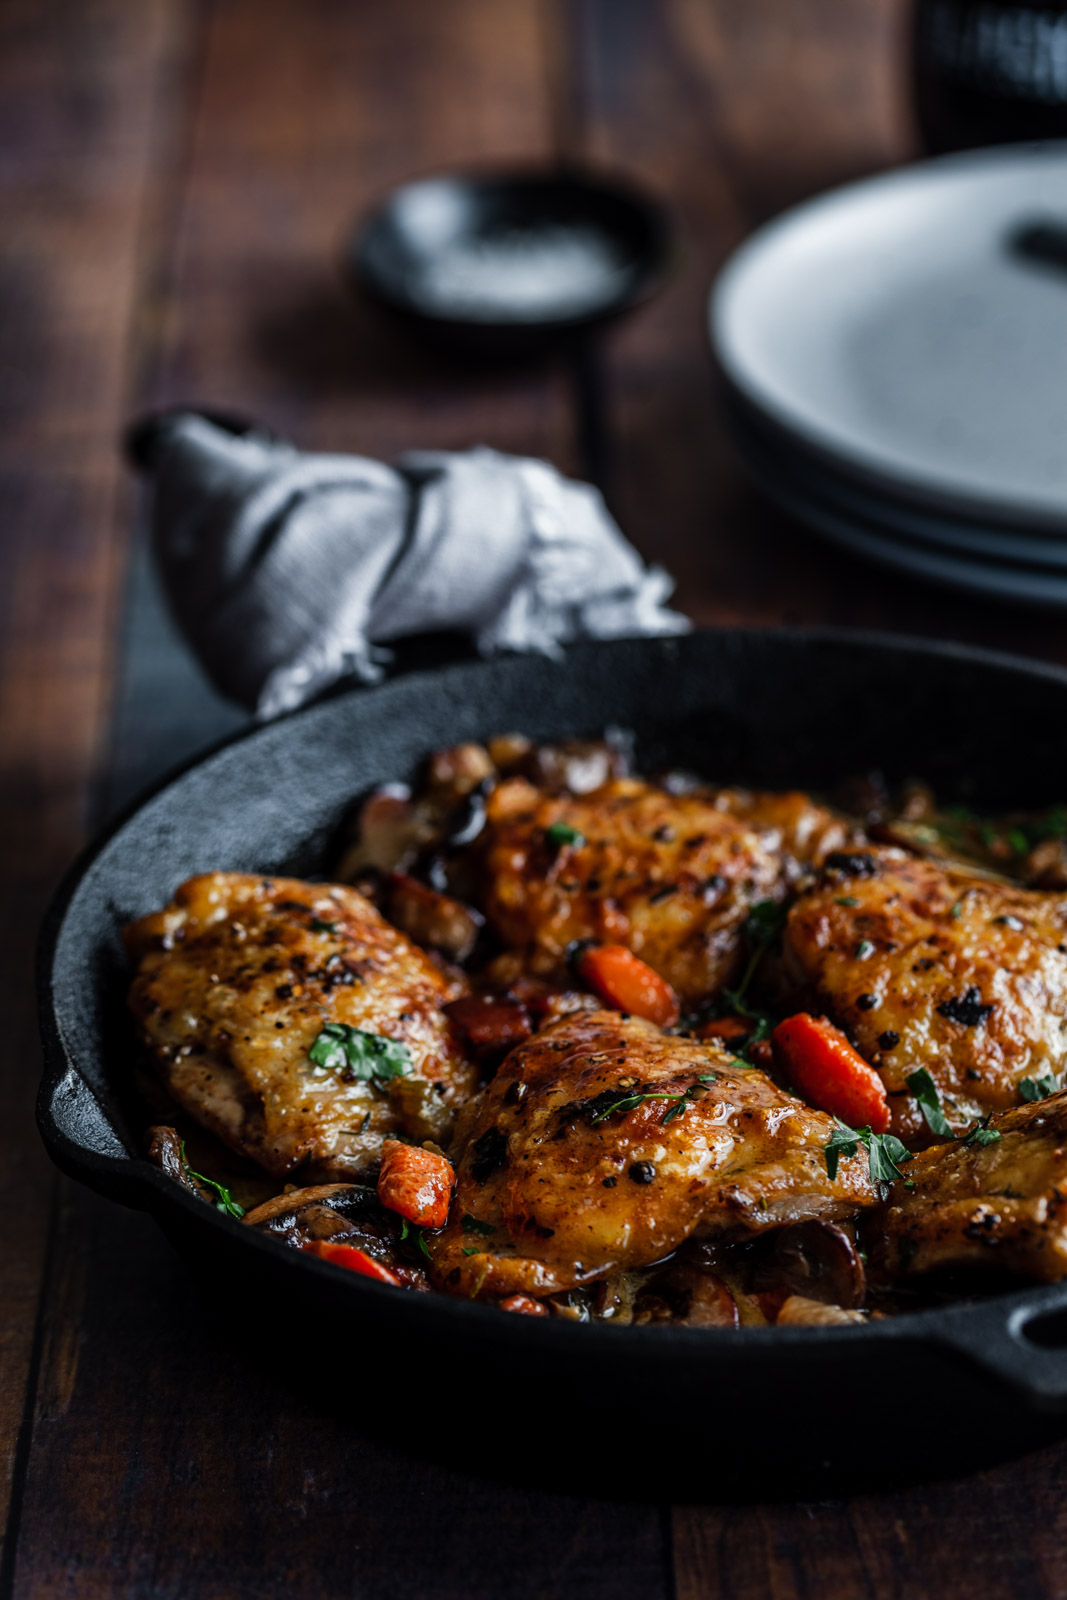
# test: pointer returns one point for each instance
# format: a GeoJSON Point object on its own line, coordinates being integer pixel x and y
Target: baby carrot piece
{"type": "Point", "coordinates": [524, 1304]}
{"type": "Point", "coordinates": [346, 1255]}
{"type": "Point", "coordinates": [821, 1064]}
{"type": "Point", "coordinates": [415, 1183]}
{"type": "Point", "coordinates": [629, 984]}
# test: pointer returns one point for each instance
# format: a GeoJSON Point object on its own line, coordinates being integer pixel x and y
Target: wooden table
{"type": "Point", "coordinates": [176, 179]}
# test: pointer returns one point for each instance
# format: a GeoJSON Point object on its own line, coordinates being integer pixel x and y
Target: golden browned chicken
{"type": "Point", "coordinates": [998, 1204]}
{"type": "Point", "coordinates": [293, 1021]}
{"type": "Point", "coordinates": [924, 967]}
{"type": "Point", "coordinates": [790, 824]}
{"type": "Point", "coordinates": [671, 876]}
{"type": "Point", "coordinates": [603, 1144]}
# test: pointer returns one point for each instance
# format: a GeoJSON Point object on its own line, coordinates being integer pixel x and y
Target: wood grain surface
{"type": "Point", "coordinates": [177, 179]}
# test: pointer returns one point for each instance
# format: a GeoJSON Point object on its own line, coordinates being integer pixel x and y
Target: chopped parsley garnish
{"type": "Point", "coordinates": [980, 1134]}
{"type": "Point", "coordinates": [470, 1250]}
{"type": "Point", "coordinates": [864, 949]}
{"type": "Point", "coordinates": [370, 1056]}
{"type": "Point", "coordinates": [319, 925]}
{"type": "Point", "coordinates": [471, 1224]}
{"type": "Point", "coordinates": [561, 833]}
{"type": "Point", "coordinates": [603, 1106]}
{"type": "Point", "coordinates": [957, 911]}
{"type": "Point", "coordinates": [1037, 1088]}
{"type": "Point", "coordinates": [408, 1230]}
{"type": "Point", "coordinates": [884, 1152]}
{"type": "Point", "coordinates": [224, 1200]}
{"type": "Point", "coordinates": [924, 1089]}
{"type": "Point", "coordinates": [846, 900]}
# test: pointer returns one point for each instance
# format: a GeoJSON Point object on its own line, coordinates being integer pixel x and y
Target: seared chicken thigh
{"type": "Point", "coordinates": [997, 1204]}
{"type": "Point", "coordinates": [671, 876]}
{"type": "Point", "coordinates": [603, 1144]}
{"type": "Point", "coordinates": [236, 980]}
{"type": "Point", "coordinates": [923, 966]}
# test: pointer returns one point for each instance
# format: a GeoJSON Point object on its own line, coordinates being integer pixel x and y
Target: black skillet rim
{"type": "Point", "coordinates": [985, 1333]}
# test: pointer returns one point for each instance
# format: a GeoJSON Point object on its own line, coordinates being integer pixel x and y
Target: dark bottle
{"type": "Point", "coordinates": [989, 71]}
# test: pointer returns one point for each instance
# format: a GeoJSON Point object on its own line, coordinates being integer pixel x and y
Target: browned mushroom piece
{"type": "Point", "coordinates": [165, 1150]}
{"type": "Point", "coordinates": [700, 1299]}
{"type": "Point", "coordinates": [432, 919]}
{"type": "Point", "coordinates": [818, 1261]}
{"type": "Point", "coordinates": [388, 835]}
{"type": "Point", "coordinates": [340, 1213]}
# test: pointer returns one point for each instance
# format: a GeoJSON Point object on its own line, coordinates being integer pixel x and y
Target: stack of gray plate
{"type": "Point", "coordinates": [895, 360]}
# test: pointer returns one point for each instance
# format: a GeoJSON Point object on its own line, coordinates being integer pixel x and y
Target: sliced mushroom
{"type": "Point", "coordinates": [798, 1312]}
{"type": "Point", "coordinates": [165, 1151]}
{"type": "Point", "coordinates": [389, 834]}
{"type": "Point", "coordinates": [687, 1295]}
{"type": "Point", "coordinates": [819, 1261]}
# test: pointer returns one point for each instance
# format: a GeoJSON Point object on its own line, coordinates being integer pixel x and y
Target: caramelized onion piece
{"type": "Point", "coordinates": [797, 1312]}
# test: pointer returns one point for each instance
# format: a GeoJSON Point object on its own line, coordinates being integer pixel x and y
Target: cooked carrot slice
{"type": "Point", "coordinates": [346, 1255]}
{"type": "Point", "coordinates": [525, 1304]}
{"type": "Point", "coordinates": [415, 1183]}
{"type": "Point", "coordinates": [622, 980]}
{"type": "Point", "coordinates": [819, 1062]}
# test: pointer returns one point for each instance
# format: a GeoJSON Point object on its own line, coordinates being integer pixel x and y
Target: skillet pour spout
{"type": "Point", "coordinates": [775, 708]}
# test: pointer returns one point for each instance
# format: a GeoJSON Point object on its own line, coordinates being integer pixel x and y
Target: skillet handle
{"type": "Point", "coordinates": [1022, 1347]}
{"type": "Point", "coordinates": [82, 1141]}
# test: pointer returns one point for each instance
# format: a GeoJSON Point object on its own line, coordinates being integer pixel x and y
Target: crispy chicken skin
{"type": "Point", "coordinates": [555, 1189]}
{"type": "Point", "coordinates": [671, 876]}
{"type": "Point", "coordinates": [994, 1205]}
{"type": "Point", "coordinates": [234, 981]}
{"type": "Point", "coordinates": [927, 967]}
{"type": "Point", "coordinates": [790, 824]}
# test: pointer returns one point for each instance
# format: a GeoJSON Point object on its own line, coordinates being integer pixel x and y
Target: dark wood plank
{"type": "Point", "coordinates": [82, 122]}
{"type": "Point", "coordinates": [171, 1463]}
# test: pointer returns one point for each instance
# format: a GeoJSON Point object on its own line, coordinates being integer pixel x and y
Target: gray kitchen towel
{"type": "Point", "coordinates": [289, 571]}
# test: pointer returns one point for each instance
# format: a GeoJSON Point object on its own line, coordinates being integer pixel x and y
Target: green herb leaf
{"type": "Point", "coordinates": [864, 949]}
{"type": "Point", "coordinates": [1037, 1088]}
{"type": "Point", "coordinates": [885, 1152]}
{"type": "Point", "coordinates": [1018, 841]}
{"type": "Point", "coordinates": [471, 1224]}
{"type": "Point", "coordinates": [370, 1056]}
{"type": "Point", "coordinates": [319, 926]}
{"type": "Point", "coordinates": [408, 1230]}
{"type": "Point", "coordinates": [846, 900]}
{"type": "Point", "coordinates": [224, 1200]}
{"type": "Point", "coordinates": [980, 1134]}
{"type": "Point", "coordinates": [924, 1089]}
{"type": "Point", "coordinates": [764, 922]}
{"type": "Point", "coordinates": [561, 833]}
{"type": "Point", "coordinates": [470, 1250]}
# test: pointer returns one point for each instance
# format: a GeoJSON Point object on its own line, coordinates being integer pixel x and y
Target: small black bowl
{"type": "Point", "coordinates": [507, 264]}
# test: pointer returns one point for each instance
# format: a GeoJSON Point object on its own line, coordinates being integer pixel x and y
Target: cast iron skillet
{"type": "Point", "coordinates": [652, 1411]}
